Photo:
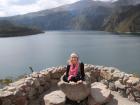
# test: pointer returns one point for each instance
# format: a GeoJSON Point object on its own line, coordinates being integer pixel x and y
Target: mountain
{"type": "Point", "coordinates": [124, 19]}
{"type": "Point", "coordinates": [8, 29]}
{"type": "Point", "coordinates": [126, 2]}
{"type": "Point", "coordinates": [82, 15]}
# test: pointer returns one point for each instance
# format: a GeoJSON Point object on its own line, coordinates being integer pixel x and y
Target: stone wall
{"type": "Point", "coordinates": [24, 91]}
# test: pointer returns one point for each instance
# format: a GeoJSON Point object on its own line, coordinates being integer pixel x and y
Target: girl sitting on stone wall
{"type": "Point", "coordinates": [75, 69]}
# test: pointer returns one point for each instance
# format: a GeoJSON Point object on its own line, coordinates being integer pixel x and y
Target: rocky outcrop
{"type": "Point", "coordinates": [55, 98]}
{"type": "Point", "coordinates": [99, 94]}
{"type": "Point", "coordinates": [74, 90]}
{"type": "Point", "coordinates": [31, 87]}
{"type": "Point", "coordinates": [124, 19]}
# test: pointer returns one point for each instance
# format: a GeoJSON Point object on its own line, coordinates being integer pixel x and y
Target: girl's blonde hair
{"type": "Point", "coordinates": [74, 54]}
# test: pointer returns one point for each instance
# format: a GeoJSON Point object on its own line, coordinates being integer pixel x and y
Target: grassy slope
{"type": "Point", "coordinates": [124, 21]}
{"type": "Point", "coordinates": [7, 29]}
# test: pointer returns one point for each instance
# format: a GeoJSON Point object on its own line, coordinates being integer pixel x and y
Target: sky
{"type": "Point", "coordinates": [18, 7]}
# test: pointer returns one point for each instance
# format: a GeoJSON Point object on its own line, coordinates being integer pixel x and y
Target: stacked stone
{"type": "Point", "coordinates": [25, 90]}
{"type": "Point", "coordinates": [128, 85]}
{"type": "Point", "coordinates": [79, 93]}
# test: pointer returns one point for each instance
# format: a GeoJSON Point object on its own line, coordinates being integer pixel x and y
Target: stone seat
{"type": "Point", "coordinates": [75, 91]}
{"type": "Point", "coordinates": [55, 98]}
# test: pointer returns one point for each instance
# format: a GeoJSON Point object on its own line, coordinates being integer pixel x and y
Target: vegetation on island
{"type": "Point", "coordinates": [6, 81]}
{"type": "Point", "coordinates": [8, 29]}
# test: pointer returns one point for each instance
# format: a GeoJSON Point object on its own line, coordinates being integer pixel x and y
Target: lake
{"type": "Point", "coordinates": [53, 48]}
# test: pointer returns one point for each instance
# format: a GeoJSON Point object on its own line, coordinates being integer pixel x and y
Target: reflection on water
{"type": "Point", "coordinates": [54, 47]}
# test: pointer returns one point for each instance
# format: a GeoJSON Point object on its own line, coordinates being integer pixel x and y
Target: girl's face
{"type": "Point", "coordinates": [74, 60]}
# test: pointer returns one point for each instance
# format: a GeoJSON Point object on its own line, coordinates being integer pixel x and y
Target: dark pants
{"type": "Point", "coordinates": [82, 102]}
{"type": "Point", "coordinates": [74, 79]}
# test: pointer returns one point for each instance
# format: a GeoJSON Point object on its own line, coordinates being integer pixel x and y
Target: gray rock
{"type": "Point", "coordinates": [75, 91]}
{"type": "Point", "coordinates": [46, 75]}
{"type": "Point", "coordinates": [92, 101]}
{"type": "Point", "coordinates": [100, 93]}
{"type": "Point", "coordinates": [7, 102]}
{"type": "Point", "coordinates": [55, 98]}
{"type": "Point", "coordinates": [56, 73]}
{"type": "Point", "coordinates": [112, 86]}
{"type": "Point", "coordinates": [12, 89]}
{"type": "Point", "coordinates": [133, 80]}
{"type": "Point", "coordinates": [136, 93]}
{"type": "Point", "coordinates": [119, 85]}
{"type": "Point", "coordinates": [131, 97]}
{"type": "Point", "coordinates": [137, 87]}
{"type": "Point", "coordinates": [32, 93]}
{"type": "Point", "coordinates": [118, 75]}
{"type": "Point", "coordinates": [36, 82]}
{"type": "Point", "coordinates": [17, 83]}
{"type": "Point", "coordinates": [122, 92]}
{"type": "Point", "coordinates": [6, 94]}
{"type": "Point", "coordinates": [125, 79]}
{"type": "Point", "coordinates": [105, 74]}
{"type": "Point", "coordinates": [105, 82]}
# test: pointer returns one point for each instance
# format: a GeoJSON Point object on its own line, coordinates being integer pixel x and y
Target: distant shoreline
{"type": "Point", "coordinates": [19, 34]}
{"type": "Point", "coordinates": [127, 33]}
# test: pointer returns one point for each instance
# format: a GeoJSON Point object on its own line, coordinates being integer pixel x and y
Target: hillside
{"type": "Point", "coordinates": [126, 2]}
{"type": "Point", "coordinates": [82, 15]}
{"type": "Point", "coordinates": [8, 29]}
{"type": "Point", "coordinates": [119, 16]}
{"type": "Point", "coordinates": [125, 19]}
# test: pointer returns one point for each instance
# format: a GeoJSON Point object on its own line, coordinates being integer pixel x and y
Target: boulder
{"type": "Point", "coordinates": [92, 101]}
{"type": "Point", "coordinates": [137, 87]}
{"type": "Point", "coordinates": [74, 90]}
{"type": "Point", "coordinates": [46, 74]}
{"type": "Point", "coordinates": [105, 74]}
{"type": "Point", "coordinates": [32, 94]}
{"type": "Point", "coordinates": [117, 75]}
{"type": "Point", "coordinates": [55, 98]}
{"type": "Point", "coordinates": [6, 94]}
{"type": "Point", "coordinates": [94, 75]}
{"type": "Point", "coordinates": [99, 93]}
{"type": "Point", "coordinates": [11, 89]}
{"type": "Point", "coordinates": [112, 86]}
{"type": "Point", "coordinates": [119, 85]}
{"type": "Point", "coordinates": [131, 97]}
{"type": "Point", "coordinates": [21, 100]}
{"type": "Point", "coordinates": [6, 101]}
{"type": "Point", "coordinates": [56, 73]}
{"type": "Point", "coordinates": [125, 79]}
{"type": "Point", "coordinates": [133, 80]}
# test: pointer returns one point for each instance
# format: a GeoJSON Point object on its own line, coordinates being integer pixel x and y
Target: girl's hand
{"type": "Point", "coordinates": [71, 82]}
{"type": "Point", "coordinates": [80, 81]}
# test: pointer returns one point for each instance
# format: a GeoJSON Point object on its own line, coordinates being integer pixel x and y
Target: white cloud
{"type": "Point", "coordinates": [15, 7]}
{"type": "Point", "coordinates": [22, 2]}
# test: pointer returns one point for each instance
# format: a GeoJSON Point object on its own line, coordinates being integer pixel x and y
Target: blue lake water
{"type": "Point", "coordinates": [53, 48]}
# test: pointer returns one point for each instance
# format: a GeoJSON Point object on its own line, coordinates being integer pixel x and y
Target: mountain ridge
{"type": "Point", "coordinates": [85, 15]}
{"type": "Point", "coordinates": [75, 16]}
{"type": "Point", "coordinates": [126, 20]}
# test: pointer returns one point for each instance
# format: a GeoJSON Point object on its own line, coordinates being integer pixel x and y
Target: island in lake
{"type": "Point", "coordinates": [8, 29]}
